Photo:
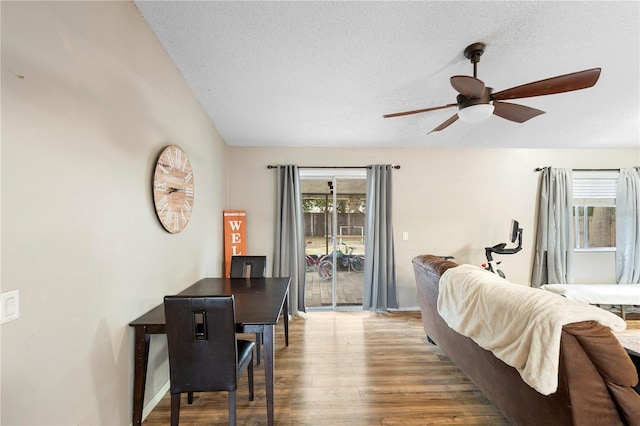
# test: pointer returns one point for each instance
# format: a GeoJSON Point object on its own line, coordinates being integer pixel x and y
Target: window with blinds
{"type": "Point", "coordinates": [594, 209]}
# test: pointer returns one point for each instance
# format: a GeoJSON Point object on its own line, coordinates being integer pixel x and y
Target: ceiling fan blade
{"type": "Point", "coordinates": [560, 84]}
{"type": "Point", "coordinates": [515, 112]}
{"type": "Point", "coordinates": [446, 124]}
{"type": "Point", "coordinates": [469, 87]}
{"type": "Point", "coordinates": [417, 111]}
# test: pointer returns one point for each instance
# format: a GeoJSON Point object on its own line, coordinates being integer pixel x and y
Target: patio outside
{"type": "Point", "coordinates": [349, 283]}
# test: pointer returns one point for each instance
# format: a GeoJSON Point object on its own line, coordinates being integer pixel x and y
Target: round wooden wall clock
{"type": "Point", "coordinates": [173, 189]}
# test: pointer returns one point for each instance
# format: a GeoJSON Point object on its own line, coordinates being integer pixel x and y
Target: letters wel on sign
{"type": "Point", "coordinates": [235, 241]}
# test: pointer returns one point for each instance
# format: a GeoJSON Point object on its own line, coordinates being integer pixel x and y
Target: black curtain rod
{"type": "Point", "coordinates": [331, 167]}
{"type": "Point", "coordinates": [539, 169]}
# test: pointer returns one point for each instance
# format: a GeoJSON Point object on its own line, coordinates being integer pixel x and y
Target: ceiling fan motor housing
{"type": "Point", "coordinates": [464, 102]}
{"type": "Point", "coordinates": [473, 110]}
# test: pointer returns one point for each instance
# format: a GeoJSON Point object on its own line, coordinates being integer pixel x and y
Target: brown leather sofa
{"type": "Point", "coordinates": [596, 375]}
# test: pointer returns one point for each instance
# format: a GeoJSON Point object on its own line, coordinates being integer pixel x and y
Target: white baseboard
{"type": "Point", "coordinates": [406, 308]}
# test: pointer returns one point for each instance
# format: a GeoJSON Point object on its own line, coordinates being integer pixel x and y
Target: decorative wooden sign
{"type": "Point", "coordinates": [235, 237]}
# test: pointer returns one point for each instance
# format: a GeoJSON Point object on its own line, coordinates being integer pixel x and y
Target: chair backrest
{"type": "Point", "coordinates": [201, 337]}
{"type": "Point", "coordinates": [248, 266]}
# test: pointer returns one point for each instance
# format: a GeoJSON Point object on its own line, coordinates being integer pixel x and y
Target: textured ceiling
{"type": "Point", "coordinates": [323, 73]}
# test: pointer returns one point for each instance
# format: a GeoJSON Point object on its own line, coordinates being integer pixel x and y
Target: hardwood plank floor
{"type": "Point", "coordinates": [351, 369]}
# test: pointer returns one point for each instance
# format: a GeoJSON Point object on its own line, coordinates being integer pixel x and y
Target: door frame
{"type": "Point", "coordinates": [334, 174]}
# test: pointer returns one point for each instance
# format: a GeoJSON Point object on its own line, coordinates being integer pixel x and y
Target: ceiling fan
{"type": "Point", "coordinates": [477, 102]}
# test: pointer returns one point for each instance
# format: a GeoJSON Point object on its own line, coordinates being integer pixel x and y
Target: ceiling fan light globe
{"type": "Point", "coordinates": [475, 113]}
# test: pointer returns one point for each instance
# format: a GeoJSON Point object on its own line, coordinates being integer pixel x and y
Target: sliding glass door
{"type": "Point", "coordinates": [334, 204]}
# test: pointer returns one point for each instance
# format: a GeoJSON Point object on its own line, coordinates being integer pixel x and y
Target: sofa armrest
{"type": "Point", "coordinates": [435, 264]}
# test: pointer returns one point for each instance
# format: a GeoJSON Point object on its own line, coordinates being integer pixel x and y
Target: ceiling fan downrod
{"type": "Point", "coordinates": [473, 53]}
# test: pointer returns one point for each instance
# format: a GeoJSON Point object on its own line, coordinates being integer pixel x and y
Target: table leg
{"type": "Point", "coordinates": [269, 358]}
{"type": "Point", "coordinates": [141, 361]}
{"type": "Point", "coordinates": [286, 319]}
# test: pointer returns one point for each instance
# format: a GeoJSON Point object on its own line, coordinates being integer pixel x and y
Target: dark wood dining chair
{"type": "Point", "coordinates": [255, 267]}
{"type": "Point", "coordinates": [248, 266]}
{"type": "Point", "coordinates": [204, 353]}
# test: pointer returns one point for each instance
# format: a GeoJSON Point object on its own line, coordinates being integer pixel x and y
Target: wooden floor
{"type": "Point", "coordinates": [355, 369]}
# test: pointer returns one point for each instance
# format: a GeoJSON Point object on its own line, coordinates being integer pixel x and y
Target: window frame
{"type": "Point", "coordinates": [592, 189]}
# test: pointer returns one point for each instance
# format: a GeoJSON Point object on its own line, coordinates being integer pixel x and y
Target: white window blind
{"type": "Point", "coordinates": [591, 187]}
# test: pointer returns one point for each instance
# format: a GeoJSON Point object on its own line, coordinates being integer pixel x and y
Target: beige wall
{"type": "Point", "coordinates": [89, 98]}
{"type": "Point", "coordinates": [450, 201]}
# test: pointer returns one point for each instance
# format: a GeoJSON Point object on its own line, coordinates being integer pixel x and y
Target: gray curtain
{"type": "Point", "coordinates": [288, 258]}
{"type": "Point", "coordinates": [628, 227]}
{"type": "Point", "coordinates": [553, 258]}
{"type": "Point", "coordinates": [380, 271]}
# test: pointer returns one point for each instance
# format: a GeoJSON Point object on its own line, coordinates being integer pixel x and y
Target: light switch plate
{"type": "Point", "coordinates": [9, 306]}
{"type": "Point", "coordinates": [405, 236]}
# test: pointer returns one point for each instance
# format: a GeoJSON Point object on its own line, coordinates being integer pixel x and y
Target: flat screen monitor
{"type": "Point", "coordinates": [515, 230]}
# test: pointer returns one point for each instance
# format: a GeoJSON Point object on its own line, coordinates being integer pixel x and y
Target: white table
{"type": "Point", "coordinates": [599, 294]}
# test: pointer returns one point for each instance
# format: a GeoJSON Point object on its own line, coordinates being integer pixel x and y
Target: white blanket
{"type": "Point", "coordinates": [520, 325]}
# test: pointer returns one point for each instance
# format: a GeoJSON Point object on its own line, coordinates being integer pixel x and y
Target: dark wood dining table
{"type": "Point", "coordinates": [259, 303]}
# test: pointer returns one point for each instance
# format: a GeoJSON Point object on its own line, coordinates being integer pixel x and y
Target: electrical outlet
{"type": "Point", "coordinates": [9, 306]}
